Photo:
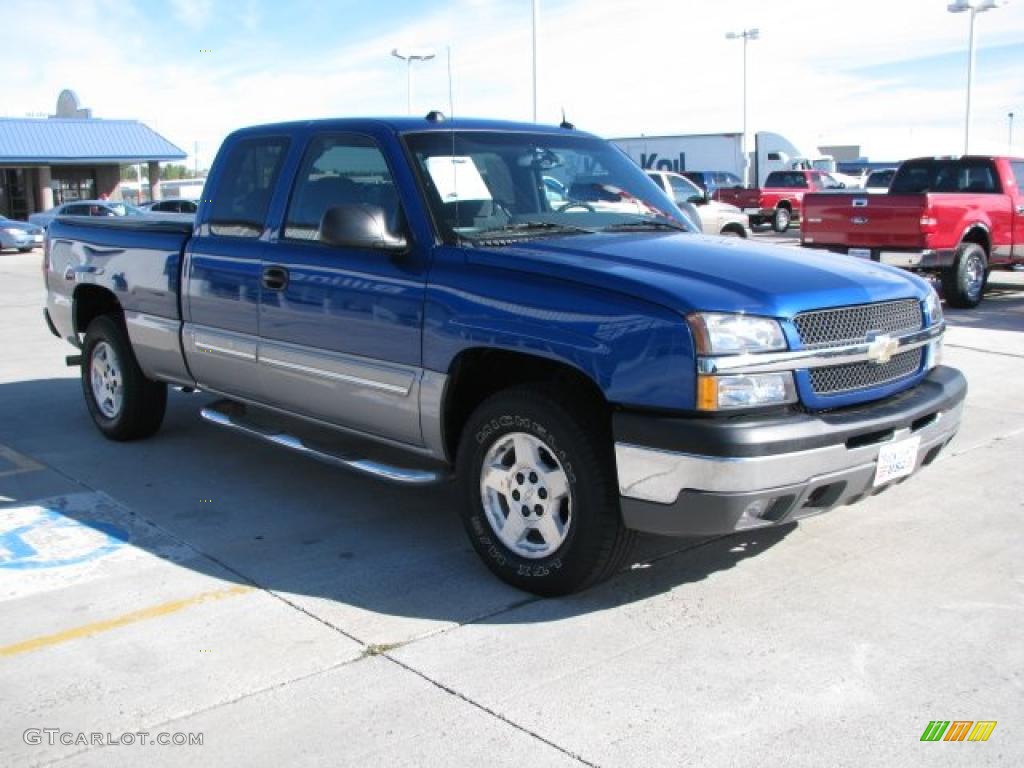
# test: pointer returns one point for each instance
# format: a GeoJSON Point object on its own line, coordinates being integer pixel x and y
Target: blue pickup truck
{"type": "Point", "coordinates": [417, 300]}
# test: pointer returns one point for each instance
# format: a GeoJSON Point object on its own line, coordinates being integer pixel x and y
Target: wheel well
{"type": "Point", "coordinates": [476, 374]}
{"type": "Point", "coordinates": [785, 204]}
{"type": "Point", "coordinates": [977, 235]}
{"type": "Point", "coordinates": [735, 227]}
{"type": "Point", "coordinates": [91, 302]}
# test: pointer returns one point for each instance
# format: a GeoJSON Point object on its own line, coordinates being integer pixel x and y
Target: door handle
{"type": "Point", "coordinates": [275, 278]}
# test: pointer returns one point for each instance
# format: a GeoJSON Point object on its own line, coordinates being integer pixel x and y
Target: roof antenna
{"type": "Point", "coordinates": [565, 123]}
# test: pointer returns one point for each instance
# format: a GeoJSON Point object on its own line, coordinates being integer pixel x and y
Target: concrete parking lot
{"type": "Point", "coordinates": [289, 613]}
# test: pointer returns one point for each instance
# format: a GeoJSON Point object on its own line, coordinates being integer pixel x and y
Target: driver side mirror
{"type": "Point", "coordinates": [359, 225]}
{"type": "Point", "coordinates": [700, 199]}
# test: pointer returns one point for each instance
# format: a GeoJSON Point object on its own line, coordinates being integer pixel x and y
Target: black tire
{"type": "Point", "coordinates": [733, 231]}
{"type": "Point", "coordinates": [142, 401]}
{"type": "Point", "coordinates": [595, 542]}
{"type": "Point", "coordinates": [24, 250]}
{"type": "Point", "coordinates": [963, 284]}
{"type": "Point", "coordinates": [781, 219]}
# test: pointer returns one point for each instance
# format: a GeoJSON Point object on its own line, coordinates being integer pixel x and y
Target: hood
{"type": "Point", "coordinates": [22, 225]}
{"type": "Point", "coordinates": [689, 272]}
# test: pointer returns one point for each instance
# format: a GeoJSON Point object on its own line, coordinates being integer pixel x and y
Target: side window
{"type": "Point", "coordinates": [682, 190]}
{"type": "Point", "coordinates": [1017, 166]}
{"type": "Point", "coordinates": [189, 207]}
{"type": "Point", "coordinates": [246, 185]}
{"type": "Point", "coordinates": [339, 170]}
{"type": "Point", "coordinates": [76, 210]}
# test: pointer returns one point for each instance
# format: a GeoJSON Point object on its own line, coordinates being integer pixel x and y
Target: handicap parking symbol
{"type": "Point", "coordinates": [41, 537]}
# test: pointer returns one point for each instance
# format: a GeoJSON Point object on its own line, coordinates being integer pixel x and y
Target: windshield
{"type": "Point", "coordinates": [484, 185]}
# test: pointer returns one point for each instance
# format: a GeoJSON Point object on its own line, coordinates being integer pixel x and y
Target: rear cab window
{"type": "Point", "coordinates": [246, 185]}
{"type": "Point", "coordinates": [786, 180]}
{"type": "Point", "coordinates": [964, 175]}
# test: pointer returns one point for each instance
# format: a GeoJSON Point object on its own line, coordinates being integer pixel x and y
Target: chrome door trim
{"type": "Point", "coordinates": [333, 376]}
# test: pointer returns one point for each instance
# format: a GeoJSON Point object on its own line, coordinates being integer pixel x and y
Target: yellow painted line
{"type": "Point", "coordinates": [21, 463]}
{"type": "Point", "coordinates": [98, 627]}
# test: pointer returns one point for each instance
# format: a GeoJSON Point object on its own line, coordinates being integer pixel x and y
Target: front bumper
{"type": "Point", "coordinates": [905, 258]}
{"type": "Point", "coordinates": [693, 477]}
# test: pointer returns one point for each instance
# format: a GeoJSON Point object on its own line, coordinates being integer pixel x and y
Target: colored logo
{"type": "Point", "coordinates": [958, 730]}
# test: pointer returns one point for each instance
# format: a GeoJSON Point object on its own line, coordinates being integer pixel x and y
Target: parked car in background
{"type": "Point", "coordinates": [170, 205]}
{"type": "Point", "coordinates": [877, 182]}
{"type": "Point", "coordinates": [779, 201]}
{"type": "Point", "coordinates": [105, 208]}
{"type": "Point", "coordinates": [957, 217]}
{"type": "Point", "coordinates": [712, 181]}
{"type": "Point", "coordinates": [715, 218]}
{"type": "Point", "coordinates": [582, 371]}
{"type": "Point", "coordinates": [19, 234]}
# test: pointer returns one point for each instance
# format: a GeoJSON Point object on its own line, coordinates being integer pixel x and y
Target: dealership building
{"type": "Point", "coordinates": [73, 156]}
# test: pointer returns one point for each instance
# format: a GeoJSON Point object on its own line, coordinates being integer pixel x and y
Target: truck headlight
{"type": "Point", "coordinates": [717, 333]}
{"type": "Point", "coordinates": [722, 393]}
{"type": "Point", "coordinates": [932, 309]}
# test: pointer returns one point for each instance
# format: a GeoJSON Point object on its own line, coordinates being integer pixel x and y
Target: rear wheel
{"type": "Point", "coordinates": [123, 403]}
{"type": "Point", "coordinates": [541, 503]}
{"type": "Point", "coordinates": [964, 283]}
{"type": "Point", "coordinates": [24, 250]}
{"type": "Point", "coordinates": [781, 219]}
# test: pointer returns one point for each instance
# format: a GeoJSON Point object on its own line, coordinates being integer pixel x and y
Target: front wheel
{"type": "Point", "coordinates": [123, 403]}
{"type": "Point", "coordinates": [541, 503]}
{"type": "Point", "coordinates": [781, 219]}
{"type": "Point", "coordinates": [964, 283]}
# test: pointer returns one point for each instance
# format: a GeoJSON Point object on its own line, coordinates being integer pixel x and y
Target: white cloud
{"type": "Point", "coordinates": [617, 68]}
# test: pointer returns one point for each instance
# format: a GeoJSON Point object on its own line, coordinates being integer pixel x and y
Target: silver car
{"type": "Point", "coordinates": [715, 218]}
{"type": "Point", "coordinates": [19, 234]}
{"type": "Point", "coordinates": [84, 208]}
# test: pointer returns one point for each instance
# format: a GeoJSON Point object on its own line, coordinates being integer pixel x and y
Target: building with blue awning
{"type": "Point", "coordinates": [73, 156]}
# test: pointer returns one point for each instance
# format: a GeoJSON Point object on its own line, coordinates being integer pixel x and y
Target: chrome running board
{"type": "Point", "coordinates": [224, 413]}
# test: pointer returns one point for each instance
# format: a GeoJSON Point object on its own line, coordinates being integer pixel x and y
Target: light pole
{"type": "Point", "coordinates": [973, 7]}
{"type": "Point", "coordinates": [1009, 139]}
{"type": "Point", "coordinates": [746, 35]}
{"type": "Point", "coordinates": [409, 56]}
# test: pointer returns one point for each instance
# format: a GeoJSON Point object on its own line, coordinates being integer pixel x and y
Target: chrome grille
{"type": "Point", "coordinates": [851, 325]}
{"type": "Point", "coordinates": [847, 378]}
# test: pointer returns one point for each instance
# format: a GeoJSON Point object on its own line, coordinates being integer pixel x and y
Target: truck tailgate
{"type": "Point", "coordinates": [741, 198]}
{"type": "Point", "coordinates": [863, 220]}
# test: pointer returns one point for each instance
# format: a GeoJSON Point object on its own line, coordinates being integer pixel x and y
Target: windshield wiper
{"type": "Point", "coordinates": [646, 224]}
{"type": "Point", "coordinates": [531, 226]}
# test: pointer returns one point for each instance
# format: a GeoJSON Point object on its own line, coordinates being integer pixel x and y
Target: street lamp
{"type": "Point", "coordinates": [1009, 140]}
{"type": "Point", "coordinates": [973, 7]}
{"type": "Point", "coordinates": [746, 35]}
{"type": "Point", "coordinates": [409, 56]}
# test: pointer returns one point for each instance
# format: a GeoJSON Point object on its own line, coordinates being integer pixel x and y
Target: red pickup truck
{"type": "Point", "coordinates": [779, 200]}
{"type": "Point", "coordinates": [959, 217]}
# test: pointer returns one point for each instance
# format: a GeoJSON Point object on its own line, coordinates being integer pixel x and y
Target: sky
{"type": "Point", "coordinates": [887, 75]}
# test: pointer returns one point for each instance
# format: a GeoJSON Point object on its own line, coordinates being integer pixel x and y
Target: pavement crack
{"type": "Point", "coordinates": [487, 710]}
{"type": "Point", "coordinates": [164, 724]}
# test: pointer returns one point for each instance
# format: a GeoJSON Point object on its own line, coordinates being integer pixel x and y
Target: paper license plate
{"type": "Point", "coordinates": [896, 460]}
{"type": "Point", "coordinates": [860, 253]}
{"type": "Point", "coordinates": [752, 211]}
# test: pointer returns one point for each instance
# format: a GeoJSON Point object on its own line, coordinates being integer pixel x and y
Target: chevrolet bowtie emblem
{"type": "Point", "coordinates": [882, 348]}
